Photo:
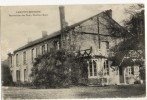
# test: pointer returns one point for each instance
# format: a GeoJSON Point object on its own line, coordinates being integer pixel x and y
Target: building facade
{"type": "Point", "coordinates": [93, 37]}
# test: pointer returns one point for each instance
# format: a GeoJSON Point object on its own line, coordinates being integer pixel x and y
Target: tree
{"type": "Point", "coordinates": [6, 75]}
{"type": "Point", "coordinates": [134, 39]}
{"type": "Point", "coordinates": [56, 69]}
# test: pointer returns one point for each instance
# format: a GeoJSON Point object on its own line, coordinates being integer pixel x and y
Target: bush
{"type": "Point", "coordinates": [57, 69]}
{"type": "Point", "coordinates": [6, 76]}
{"type": "Point", "coordinates": [52, 70]}
{"type": "Point", "coordinates": [137, 82]}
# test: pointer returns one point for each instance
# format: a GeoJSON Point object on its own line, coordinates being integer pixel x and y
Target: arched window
{"type": "Point", "coordinates": [95, 71]}
{"type": "Point", "coordinates": [90, 68]}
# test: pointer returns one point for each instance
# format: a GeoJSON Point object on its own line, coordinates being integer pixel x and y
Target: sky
{"type": "Point", "coordinates": [17, 30]}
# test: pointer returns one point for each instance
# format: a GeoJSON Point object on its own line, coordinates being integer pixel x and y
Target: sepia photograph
{"type": "Point", "coordinates": [73, 51]}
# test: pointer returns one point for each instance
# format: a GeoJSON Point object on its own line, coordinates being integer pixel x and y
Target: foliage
{"type": "Point", "coordinates": [134, 38]}
{"type": "Point", "coordinates": [142, 73]}
{"type": "Point", "coordinates": [6, 76]}
{"type": "Point", "coordinates": [55, 69]}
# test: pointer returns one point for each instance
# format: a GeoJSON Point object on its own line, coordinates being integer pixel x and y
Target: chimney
{"type": "Point", "coordinates": [44, 34]}
{"type": "Point", "coordinates": [29, 40]}
{"type": "Point", "coordinates": [109, 13]}
{"type": "Point", "coordinates": [63, 23]}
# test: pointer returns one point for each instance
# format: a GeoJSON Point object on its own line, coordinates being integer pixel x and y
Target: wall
{"type": "Point", "coordinates": [85, 35]}
{"type": "Point", "coordinates": [29, 63]}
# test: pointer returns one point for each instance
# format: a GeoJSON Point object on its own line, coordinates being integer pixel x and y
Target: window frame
{"type": "Point", "coordinates": [17, 75]}
{"type": "Point", "coordinates": [43, 49]}
{"type": "Point", "coordinates": [94, 68]}
{"type": "Point", "coordinates": [106, 68]}
{"type": "Point", "coordinates": [32, 54]}
{"type": "Point", "coordinates": [25, 74]}
{"type": "Point", "coordinates": [90, 69]}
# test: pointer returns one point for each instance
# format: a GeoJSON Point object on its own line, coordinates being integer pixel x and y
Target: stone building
{"type": "Point", "coordinates": [93, 37]}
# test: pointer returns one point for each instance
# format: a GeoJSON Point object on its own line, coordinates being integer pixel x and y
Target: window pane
{"type": "Point", "coordinates": [106, 68]}
{"type": "Point", "coordinates": [90, 67]}
{"type": "Point", "coordinates": [95, 71]}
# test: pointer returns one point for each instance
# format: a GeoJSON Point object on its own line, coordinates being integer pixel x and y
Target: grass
{"type": "Point", "coordinates": [75, 92]}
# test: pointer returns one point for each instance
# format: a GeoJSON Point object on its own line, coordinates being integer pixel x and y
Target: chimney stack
{"type": "Point", "coordinates": [63, 23]}
{"type": "Point", "coordinates": [44, 34]}
{"type": "Point", "coordinates": [29, 40]}
{"type": "Point", "coordinates": [109, 13]}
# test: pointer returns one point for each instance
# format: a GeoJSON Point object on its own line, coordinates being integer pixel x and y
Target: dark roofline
{"type": "Point", "coordinates": [78, 23]}
{"type": "Point", "coordinates": [57, 33]}
{"type": "Point", "coordinates": [32, 43]}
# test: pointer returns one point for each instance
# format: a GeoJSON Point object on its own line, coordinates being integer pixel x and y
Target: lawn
{"type": "Point", "coordinates": [74, 92]}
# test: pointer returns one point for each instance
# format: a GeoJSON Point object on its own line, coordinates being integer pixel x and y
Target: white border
{"type": "Point", "coordinates": [75, 2]}
{"type": "Point", "coordinates": [65, 2]}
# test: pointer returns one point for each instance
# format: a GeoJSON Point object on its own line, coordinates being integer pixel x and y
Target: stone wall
{"type": "Point", "coordinates": [85, 35]}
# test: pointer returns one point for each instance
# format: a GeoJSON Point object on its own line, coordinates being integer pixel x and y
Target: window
{"type": "Point", "coordinates": [56, 45]}
{"type": "Point", "coordinates": [104, 45]}
{"type": "Point", "coordinates": [47, 48]}
{"type": "Point", "coordinates": [24, 57]}
{"type": "Point", "coordinates": [32, 54]}
{"type": "Point", "coordinates": [18, 75]}
{"type": "Point", "coordinates": [51, 49]}
{"type": "Point", "coordinates": [25, 74]}
{"type": "Point", "coordinates": [120, 70]}
{"type": "Point", "coordinates": [107, 45]}
{"type": "Point", "coordinates": [43, 49]}
{"type": "Point", "coordinates": [11, 72]}
{"type": "Point", "coordinates": [16, 59]}
{"type": "Point", "coordinates": [90, 68]}
{"type": "Point", "coordinates": [95, 71]}
{"type": "Point", "coordinates": [129, 69]}
{"type": "Point", "coordinates": [11, 59]}
{"type": "Point", "coordinates": [36, 52]}
{"type": "Point", "coordinates": [106, 68]}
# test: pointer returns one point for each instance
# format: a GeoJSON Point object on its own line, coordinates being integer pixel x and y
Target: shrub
{"type": "Point", "coordinates": [6, 76]}
{"type": "Point", "coordinates": [137, 82]}
{"type": "Point", "coordinates": [52, 70]}
{"type": "Point", "coordinates": [57, 69]}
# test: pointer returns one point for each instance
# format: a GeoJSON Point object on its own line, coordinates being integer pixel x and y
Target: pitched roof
{"type": "Point", "coordinates": [57, 33]}
{"type": "Point", "coordinates": [38, 41]}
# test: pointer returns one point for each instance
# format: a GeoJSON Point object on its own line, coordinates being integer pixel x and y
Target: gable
{"type": "Point", "coordinates": [102, 24]}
